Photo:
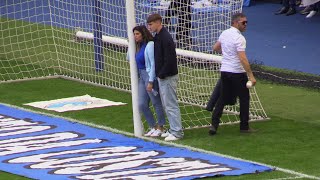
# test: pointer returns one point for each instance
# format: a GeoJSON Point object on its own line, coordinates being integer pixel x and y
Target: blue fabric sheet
{"type": "Point", "coordinates": [60, 149]}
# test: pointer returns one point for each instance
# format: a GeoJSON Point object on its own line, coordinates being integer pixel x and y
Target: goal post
{"type": "Point", "coordinates": [131, 22]}
{"type": "Point", "coordinates": [56, 38]}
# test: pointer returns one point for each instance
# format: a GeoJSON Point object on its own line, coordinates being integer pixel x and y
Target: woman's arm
{"type": "Point", "coordinates": [150, 64]}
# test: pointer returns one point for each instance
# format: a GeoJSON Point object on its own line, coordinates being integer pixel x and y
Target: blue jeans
{"type": "Point", "coordinates": [144, 100]}
{"type": "Point", "coordinates": [168, 94]}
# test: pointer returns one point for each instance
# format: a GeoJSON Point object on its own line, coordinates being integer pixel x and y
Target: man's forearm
{"type": "Point", "coordinates": [247, 67]}
{"type": "Point", "coordinates": [217, 47]}
{"type": "Point", "coordinates": [245, 64]}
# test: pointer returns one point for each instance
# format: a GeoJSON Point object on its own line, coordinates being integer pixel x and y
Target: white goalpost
{"type": "Point", "coordinates": [87, 41]}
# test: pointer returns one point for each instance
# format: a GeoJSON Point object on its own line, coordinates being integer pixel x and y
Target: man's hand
{"type": "Point", "coordinates": [253, 80]}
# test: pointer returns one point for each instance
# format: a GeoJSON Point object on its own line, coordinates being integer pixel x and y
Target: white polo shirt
{"type": "Point", "coordinates": [232, 41]}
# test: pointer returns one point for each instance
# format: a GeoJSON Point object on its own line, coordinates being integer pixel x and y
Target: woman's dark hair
{"type": "Point", "coordinates": [146, 34]}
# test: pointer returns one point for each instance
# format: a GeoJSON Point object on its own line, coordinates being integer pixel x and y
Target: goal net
{"type": "Point", "coordinates": [86, 40]}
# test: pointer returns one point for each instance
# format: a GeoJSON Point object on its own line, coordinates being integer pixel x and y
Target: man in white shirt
{"type": "Point", "coordinates": [235, 70]}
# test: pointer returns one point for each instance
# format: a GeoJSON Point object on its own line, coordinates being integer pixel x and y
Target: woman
{"type": "Point", "coordinates": [148, 84]}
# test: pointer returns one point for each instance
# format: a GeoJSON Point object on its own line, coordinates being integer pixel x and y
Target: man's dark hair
{"type": "Point", "coordinates": [154, 17]}
{"type": "Point", "coordinates": [236, 17]}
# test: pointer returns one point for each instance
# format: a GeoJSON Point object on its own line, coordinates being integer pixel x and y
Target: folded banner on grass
{"type": "Point", "coordinates": [74, 103]}
{"type": "Point", "coordinates": [38, 146]}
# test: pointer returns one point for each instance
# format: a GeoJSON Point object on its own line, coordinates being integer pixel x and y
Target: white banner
{"type": "Point", "coordinates": [74, 103]}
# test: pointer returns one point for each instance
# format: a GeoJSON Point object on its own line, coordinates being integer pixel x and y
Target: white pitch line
{"type": "Point", "coordinates": [302, 175]}
{"type": "Point", "coordinates": [297, 177]}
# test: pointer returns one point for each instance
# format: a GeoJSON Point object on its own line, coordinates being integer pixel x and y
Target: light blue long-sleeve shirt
{"type": "Point", "coordinates": [149, 60]}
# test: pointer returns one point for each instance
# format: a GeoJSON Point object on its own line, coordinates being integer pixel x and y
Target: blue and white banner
{"type": "Point", "coordinates": [42, 147]}
{"type": "Point", "coordinates": [74, 103]}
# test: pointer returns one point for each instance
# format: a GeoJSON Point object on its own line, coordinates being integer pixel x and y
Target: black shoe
{"type": "Point", "coordinates": [212, 130]}
{"type": "Point", "coordinates": [208, 108]}
{"type": "Point", "coordinates": [248, 130]}
{"type": "Point", "coordinates": [291, 11]}
{"type": "Point", "coordinates": [283, 10]}
{"type": "Point", "coordinates": [306, 10]}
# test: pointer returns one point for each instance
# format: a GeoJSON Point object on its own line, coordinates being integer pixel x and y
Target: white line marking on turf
{"type": "Point", "coordinates": [302, 175]}
{"type": "Point", "coordinates": [297, 177]}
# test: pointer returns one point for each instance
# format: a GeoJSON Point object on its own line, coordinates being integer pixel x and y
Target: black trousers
{"type": "Point", "coordinates": [182, 10]}
{"type": "Point", "coordinates": [233, 85]}
{"type": "Point", "coordinates": [214, 96]}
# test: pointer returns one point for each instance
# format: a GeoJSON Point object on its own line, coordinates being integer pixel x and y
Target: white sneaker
{"type": "Point", "coordinates": [166, 134]}
{"type": "Point", "coordinates": [311, 14]}
{"type": "Point", "coordinates": [150, 132]}
{"type": "Point", "coordinates": [171, 138]}
{"type": "Point", "coordinates": [156, 133]}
